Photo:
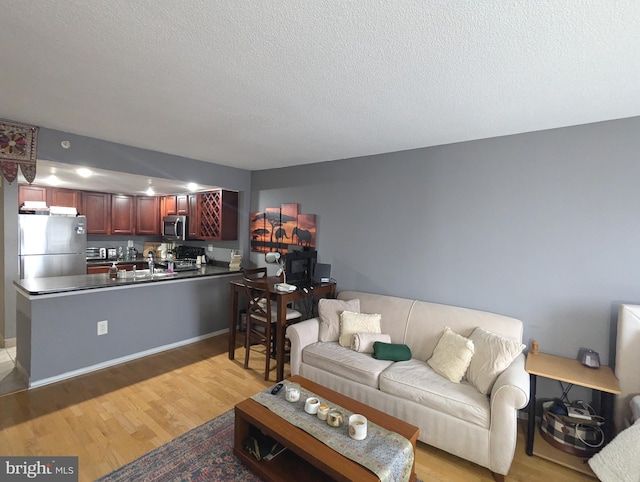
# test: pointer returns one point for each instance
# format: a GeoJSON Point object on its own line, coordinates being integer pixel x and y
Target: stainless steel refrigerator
{"type": "Point", "coordinates": [51, 245]}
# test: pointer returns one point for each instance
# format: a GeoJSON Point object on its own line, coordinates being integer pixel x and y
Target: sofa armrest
{"type": "Point", "coordinates": [300, 335]}
{"type": "Point", "coordinates": [509, 394]}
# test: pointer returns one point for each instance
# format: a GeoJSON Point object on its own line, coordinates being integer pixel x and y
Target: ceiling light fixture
{"type": "Point", "coordinates": [192, 186]}
{"type": "Point", "coordinates": [150, 191]}
{"type": "Point", "coordinates": [53, 180]}
{"type": "Point", "coordinates": [84, 172]}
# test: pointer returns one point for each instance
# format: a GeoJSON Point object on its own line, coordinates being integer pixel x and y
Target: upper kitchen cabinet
{"type": "Point", "coordinates": [182, 204]}
{"type": "Point", "coordinates": [64, 197]}
{"type": "Point", "coordinates": [175, 205]}
{"type": "Point", "coordinates": [169, 206]}
{"type": "Point", "coordinates": [218, 215]}
{"type": "Point", "coordinates": [194, 216]}
{"type": "Point", "coordinates": [123, 214]}
{"type": "Point", "coordinates": [27, 192]}
{"type": "Point", "coordinates": [147, 215]}
{"type": "Point", "coordinates": [97, 207]}
{"type": "Point", "coordinates": [53, 196]}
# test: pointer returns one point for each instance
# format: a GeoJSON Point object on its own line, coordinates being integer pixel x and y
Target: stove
{"type": "Point", "coordinates": [188, 252]}
{"type": "Point", "coordinates": [185, 258]}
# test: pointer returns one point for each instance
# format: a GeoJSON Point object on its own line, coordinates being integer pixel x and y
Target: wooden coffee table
{"type": "Point", "coordinates": [307, 458]}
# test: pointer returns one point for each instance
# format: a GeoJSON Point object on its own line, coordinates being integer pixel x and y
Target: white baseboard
{"type": "Point", "coordinates": [117, 361]}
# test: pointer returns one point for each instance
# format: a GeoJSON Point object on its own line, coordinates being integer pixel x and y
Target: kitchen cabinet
{"type": "Point", "coordinates": [28, 192]}
{"type": "Point", "coordinates": [147, 215]}
{"type": "Point", "coordinates": [97, 269]}
{"type": "Point", "coordinates": [194, 216]}
{"type": "Point", "coordinates": [173, 205]}
{"type": "Point", "coordinates": [182, 204]}
{"type": "Point", "coordinates": [169, 206]}
{"type": "Point", "coordinates": [218, 215]}
{"type": "Point", "coordinates": [64, 197]}
{"type": "Point", "coordinates": [123, 214]}
{"type": "Point", "coordinates": [97, 207]}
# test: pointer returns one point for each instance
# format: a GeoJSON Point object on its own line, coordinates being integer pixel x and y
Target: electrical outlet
{"type": "Point", "coordinates": [210, 247]}
{"type": "Point", "coordinates": [103, 327]}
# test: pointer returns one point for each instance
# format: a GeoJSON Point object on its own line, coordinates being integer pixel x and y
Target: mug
{"type": "Point", "coordinates": [334, 418]}
{"type": "Point", "coordinates": [311, 405]}
{"type": "Point", "coordinates": [358, 427]}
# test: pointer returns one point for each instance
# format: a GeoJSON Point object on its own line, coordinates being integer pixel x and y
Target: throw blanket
{"type": "Point", "coordinates": [363, 342]}
{"type": "Point", "coordinates": [619, 461]}
{"type": "Point", "coordinates": [387, 454]}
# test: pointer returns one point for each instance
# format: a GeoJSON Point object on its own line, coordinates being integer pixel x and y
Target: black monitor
{"type": "Point", "coordinates": [299, 267]}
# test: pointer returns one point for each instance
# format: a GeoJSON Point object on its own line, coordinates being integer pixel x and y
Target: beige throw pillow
{"type": "Point", "coordinates": [493, 354]}
{"type": "Point", "coordinates": [451, 356]}
{"type": "Point", "coordinates": [352, 323]}
{"type": "Point", "coordinates": [329, 312]}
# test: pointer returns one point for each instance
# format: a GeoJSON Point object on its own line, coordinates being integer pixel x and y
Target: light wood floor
{"type": "Point", "coordinates": [113, 416]}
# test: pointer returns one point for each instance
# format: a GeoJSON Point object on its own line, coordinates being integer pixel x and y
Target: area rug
{"type": "Point", "coordinates": [202, 454]}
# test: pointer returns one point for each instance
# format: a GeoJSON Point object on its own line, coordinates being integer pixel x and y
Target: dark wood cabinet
{"type": "Point", "coordinates": [97, 269]}
{"type": "Point", "coordinates": [123, 214]}
{"type": "Point", "coordinates": [27, 192]}
{"type": "Point", "coordinates": [64, 197]}
{"type": "Point", "coordinates": [169, 206]}
{"type": "Point", "coordinates": [194, 216]}
{"type": "Point", "coordinates": [147, 215]}
{"type": "Point", "coordinates": [97, 207]}
{"type": "Point", "coordinates": [182, 204]}
{"type": "Point", "coordinates": [218, 215]}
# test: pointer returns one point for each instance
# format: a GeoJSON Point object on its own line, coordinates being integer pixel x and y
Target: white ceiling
{"type": "Point", "coordinates": [264, 83]}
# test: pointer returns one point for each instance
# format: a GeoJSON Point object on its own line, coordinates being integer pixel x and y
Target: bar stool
{"type": "Point", "coordinates": [261, 316]}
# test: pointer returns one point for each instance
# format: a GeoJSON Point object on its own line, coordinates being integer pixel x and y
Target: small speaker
{"type": "Point", "coordinates": [322, 273]}
{"type": "Point", "coordinates": [589, 358]}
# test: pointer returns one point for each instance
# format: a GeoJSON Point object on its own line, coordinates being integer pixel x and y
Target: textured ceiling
{"type": "Point", "coordinates": [263, 83]}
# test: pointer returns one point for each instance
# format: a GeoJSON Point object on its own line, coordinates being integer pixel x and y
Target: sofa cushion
{"type": "Point", "coordinates": [415, 380]}
{"type": "Point", "coordinates": [352, 323]}
{"type": "Point", "coordinates": [492, 355]}
{"type": "Point", "coordinates": [452, 355]}
{"type": "Point", "coordinates": [344, 362]}
{"type": "Point", "coordinates": [329, 313]}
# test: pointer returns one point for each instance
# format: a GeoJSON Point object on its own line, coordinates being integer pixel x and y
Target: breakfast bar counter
{"type": "Point", "coordinates": [64, 284]}
{"type": "Point", "coordinates": [71, 325]}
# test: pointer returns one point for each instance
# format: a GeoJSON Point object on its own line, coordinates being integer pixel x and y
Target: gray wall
{"type": "Point", "coordinates": [96, 153]}
{"type": "Point", "coordinates": [540, 226]}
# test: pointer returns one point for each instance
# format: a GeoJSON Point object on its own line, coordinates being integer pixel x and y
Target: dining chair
{"type": "Point", "coordinates": [261, 318]}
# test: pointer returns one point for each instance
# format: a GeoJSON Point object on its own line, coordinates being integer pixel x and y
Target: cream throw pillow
{"type": "Point", "coordinates": [329, 312]}
{"type": "Point", "coordinates": [452, 355]}
{"type": "Point", "coordinates": [494, 353]}
{"type": "Point", "coordinates": [352, 323]}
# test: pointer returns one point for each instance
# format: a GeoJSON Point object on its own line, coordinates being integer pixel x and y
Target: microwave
{"type": "Point", "coordinates": [175, 228]}
{"type": "Point", "coordinates": [96, 253]}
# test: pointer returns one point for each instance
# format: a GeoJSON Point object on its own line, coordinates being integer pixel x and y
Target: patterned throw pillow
{"type": "Point", "coordinates": [352, 323]}
{"type": "Point", "coordinates": [452, 355]}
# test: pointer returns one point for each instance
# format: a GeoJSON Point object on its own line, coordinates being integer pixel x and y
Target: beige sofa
{"type": "Point", "coordinates": [454, 417]}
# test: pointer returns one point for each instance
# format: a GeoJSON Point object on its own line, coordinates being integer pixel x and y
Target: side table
{"type": "Point", "coordinates": [573, 372]}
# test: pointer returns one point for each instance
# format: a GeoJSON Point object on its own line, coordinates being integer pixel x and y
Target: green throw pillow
{"type": "Point", "coordinates": [391, 351]}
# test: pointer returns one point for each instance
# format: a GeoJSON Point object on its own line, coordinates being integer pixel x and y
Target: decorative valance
{"type": "Point", "coordinates": [18, 145]}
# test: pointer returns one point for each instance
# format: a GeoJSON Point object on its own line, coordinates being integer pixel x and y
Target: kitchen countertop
{"type": "Point", "coordinates": [64, 284]}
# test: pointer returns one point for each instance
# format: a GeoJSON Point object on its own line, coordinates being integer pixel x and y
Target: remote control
{"type": "Point", "coordinates": [276, 389]}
